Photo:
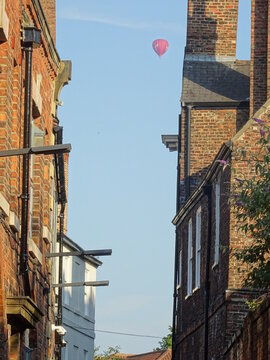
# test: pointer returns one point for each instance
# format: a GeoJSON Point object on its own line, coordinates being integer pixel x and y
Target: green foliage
{"type": "Point", "coordinates": [110, 353]}
{"type": "Point", "coordinates": [251, 202]}
{"type": "Point", "coordinates": [166, 342]}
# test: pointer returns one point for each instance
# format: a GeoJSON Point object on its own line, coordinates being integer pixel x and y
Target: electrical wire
{"type": "Point", "coordinates": [120, 333]}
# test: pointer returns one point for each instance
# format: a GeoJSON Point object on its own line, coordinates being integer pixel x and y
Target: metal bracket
{"type": "Point", "coordinates": [37, 150]}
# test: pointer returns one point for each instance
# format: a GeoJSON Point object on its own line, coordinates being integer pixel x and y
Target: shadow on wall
{"type": "Point", "coordinates": [205, 40]}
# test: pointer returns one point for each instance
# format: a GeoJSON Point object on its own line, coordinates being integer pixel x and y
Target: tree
{"type": "Point", "coordinates": [251, 203]}
{"type": "Point", "coordinates": [166, 342]}
{"type": "Point", "coordinates": [110, 353]}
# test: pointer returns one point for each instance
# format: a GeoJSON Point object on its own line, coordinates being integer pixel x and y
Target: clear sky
{"type": "Point", "coordinates": [122, 97]}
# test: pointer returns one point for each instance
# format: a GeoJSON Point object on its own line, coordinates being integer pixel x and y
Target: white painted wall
{"type": "Point", "coordinates": [78, 309]}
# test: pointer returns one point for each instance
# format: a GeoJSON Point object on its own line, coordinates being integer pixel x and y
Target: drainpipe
{"type": "Point", "coordinates": [31, 37]}
{"type": "Point", "coordinates": [59, 160]}
{"type": "Point", "coordinates": [208, 192]}
{"type": "Point", "coordinates": [176, 240]}
{"type": "Point", "coordinates": [188, 122]}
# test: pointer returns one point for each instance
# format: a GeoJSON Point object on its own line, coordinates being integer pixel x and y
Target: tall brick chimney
{"type": "Point", "coordinates": [260, 54]}
{"type": "Point", "coordinates": [212, 27]}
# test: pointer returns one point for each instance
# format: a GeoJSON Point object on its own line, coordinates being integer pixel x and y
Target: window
{"type": "Point", "coordinates": [77, 290]}
{"type": "Point", "coordinates": [217, 215]}
{"type": "Point", "coordinates": [85, 355]}
{"type": "Point", "coordinates": [75, 352]}
{"type": "Point", "coordinates": [27, 353]}
{"type": "Point", "coordinates": [190, 251]}
{"type": "Point", "coordinates": [65, 352]}
{"type": "Point", "coordinates": [67, 277]}
{"type": "Point", "coordinates": [179, 280]}
{"type": "Point", "coordinates": [198, 249]}
{"type": "Point", "coordinates": [87, 292]}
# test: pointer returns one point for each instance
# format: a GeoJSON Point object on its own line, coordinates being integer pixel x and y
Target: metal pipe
{"type": "Point", "coordinates": [208, 192]}
{"type": "Point", "coordinates": [59, 158]}
{"type": "Point", "coordinates": [106, 252]}
{"type": "Point", "coordinates": [82, 283]}
{"type": "Point", "coordinates": [26, 168]}
{"type": "Point", "coordinates": [37, 150]}
{"type": "Point", "coordinates": [60, 277]}
{"type": "Point", "coordinates": [176, 240]}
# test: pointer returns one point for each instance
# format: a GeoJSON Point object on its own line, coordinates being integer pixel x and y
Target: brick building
{"type": "Point", "coordinates": [220, 95]}
{"type": "Point", "coordinates": [31, 186]}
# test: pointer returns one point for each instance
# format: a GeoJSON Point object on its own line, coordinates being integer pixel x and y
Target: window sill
{"type": "Point", "coordinates": [188, 296]}
{"type": "Point", "coordinates": [214, 265]}
{"type": "Point", "coordinates": [178, 287]}
{"type": "Point", "coordinates": [196, 289]}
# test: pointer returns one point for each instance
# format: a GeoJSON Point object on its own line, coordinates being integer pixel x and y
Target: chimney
{"type": "Point", "coordinates": [212, 27]}
{"type": "Point", "coordinates": [260, 51]}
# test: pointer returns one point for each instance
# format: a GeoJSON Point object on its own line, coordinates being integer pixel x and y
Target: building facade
{"type": "Point", "coordinates": [31, 78]}
{"type": "Point", "coordinates": [78, 304]}
{"type": "Point", "coordinates": [220, 97]}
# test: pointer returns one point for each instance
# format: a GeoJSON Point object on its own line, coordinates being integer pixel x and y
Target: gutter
{"type": "Point", "coordinates": [60, 174]}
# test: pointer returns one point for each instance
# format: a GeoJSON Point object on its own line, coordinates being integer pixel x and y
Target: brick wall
{"type": "Point", "coordinates": [210, 128]}
{"type": "Point", "coordinates": [252, 341]}
{"type": "Point", "coordinates": [260, 72]}
{"type": "Point", "coordinates": [212, 27]}
{"type": "Point", "coordinates": [191, 309]}
{"type": "Point", "coordinates": [49, 10]}
{"type": "Point", "coordinates": [227, 297]}
{"type": "Point", "coordinates": [12, 75]}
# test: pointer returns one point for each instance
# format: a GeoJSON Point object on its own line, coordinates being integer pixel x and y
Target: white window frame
{"type": "Point", "coordinates": [190, 259]}
{"type": "Point", "coordinates": [217, 218]}
{"type": "Point", "coordinates": [67, 267]}
{"type": "Point", "coordinates": [179, 279]}
{"type": "Point", "coordinates": [198, 248]}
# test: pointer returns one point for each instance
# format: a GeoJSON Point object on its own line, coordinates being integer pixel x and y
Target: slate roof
{"type": "Point", "coordinates": [213, 81]}
{"type": "Point", "coordinates": [154, 355]}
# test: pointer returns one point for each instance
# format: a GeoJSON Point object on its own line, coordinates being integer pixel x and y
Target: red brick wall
{"type": "Point", "coordinates": [11, 136]}
{"type": "Point", "coordinates": [252, 342]}
{"type": "Point", "coordinates": [212, 27]}
{"type": "Point", "coordinates": [227, 297]}
{"type": "Point", "coordinates": [260, 74]}
{"type": "Point", "coordinates": [210, 128]}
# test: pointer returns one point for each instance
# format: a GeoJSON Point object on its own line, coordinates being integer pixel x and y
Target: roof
{"type": "Point", "coordinates": [74, 246]}
{"type": "Point", "coordinates": [154, 355]}
{"type": "Point", "coordinates": [213, 81]}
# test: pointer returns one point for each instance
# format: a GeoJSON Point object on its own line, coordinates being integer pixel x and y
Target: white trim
{"type": "Point", "coordinates": [217, 218]}
{"type": "Point", "coordinates": [190, 258]}
{"type": "Point", "coordinates": [198, 248]}
{"type": "Point", "coordinates": [179, 279]}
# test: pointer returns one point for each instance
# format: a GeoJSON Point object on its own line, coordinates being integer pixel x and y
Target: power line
{"type": "Point", "coordinates": [128, 334]}
{"type": "Point", "coordinates": [120, 333]}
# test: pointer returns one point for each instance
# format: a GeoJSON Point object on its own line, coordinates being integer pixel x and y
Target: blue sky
{"type": "Point", "coordinates": [122, 97]}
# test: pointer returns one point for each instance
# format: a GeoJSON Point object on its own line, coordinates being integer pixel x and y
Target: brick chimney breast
{"type": "Point", "coordinates": [212, 28]}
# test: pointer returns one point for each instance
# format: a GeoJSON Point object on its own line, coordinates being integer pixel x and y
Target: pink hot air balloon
{"type": "Point", "coordinates": [160, 46]}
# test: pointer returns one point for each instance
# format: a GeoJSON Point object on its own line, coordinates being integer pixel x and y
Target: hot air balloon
{"type": "Point", "coordinates": [160, 46]}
